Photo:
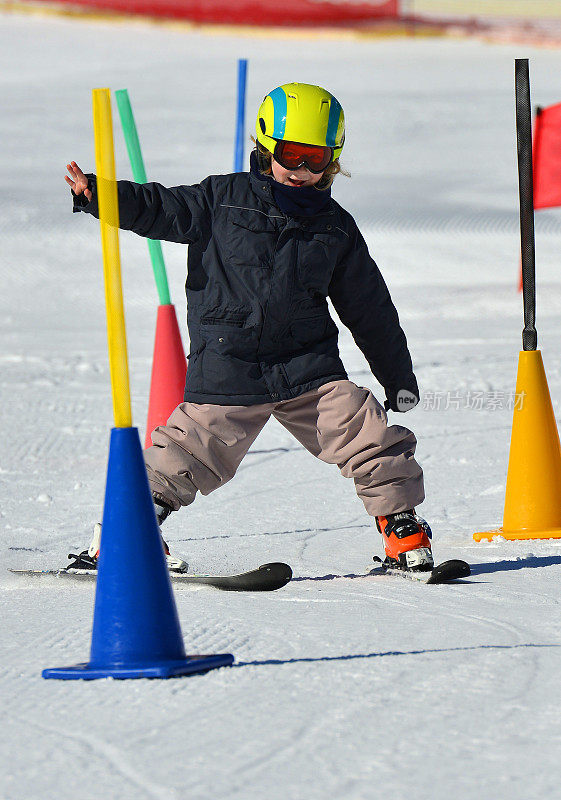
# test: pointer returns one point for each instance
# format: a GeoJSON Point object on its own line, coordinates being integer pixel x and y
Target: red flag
{"type": "Point", "coordinates": [547, 157]}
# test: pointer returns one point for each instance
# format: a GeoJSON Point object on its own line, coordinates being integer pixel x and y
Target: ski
{"type": "Point", "coordinates": [442, 573]}
{"type": "Point", "coordinates": [266, 578]}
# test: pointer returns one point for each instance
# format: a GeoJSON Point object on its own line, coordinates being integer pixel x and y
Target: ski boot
{"type": "Point", "coordinates": [87, 559]}
{"type": "Point", "coordinates": [174, 564]}
{"type": "Point", "coordinates": [406, 541]}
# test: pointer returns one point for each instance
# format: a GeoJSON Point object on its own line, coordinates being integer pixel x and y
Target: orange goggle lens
{"type": "Point", "coordinates": [292, 155]}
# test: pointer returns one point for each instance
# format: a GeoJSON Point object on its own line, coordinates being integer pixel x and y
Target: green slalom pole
{"type": "Point", "coordinates": [139, 175]}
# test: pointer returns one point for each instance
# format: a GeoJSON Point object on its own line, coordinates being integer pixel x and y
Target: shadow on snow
{"type": "Point", "coordinates": [273, 662]}
{"type": "Point", "coordinates": [529, 562]}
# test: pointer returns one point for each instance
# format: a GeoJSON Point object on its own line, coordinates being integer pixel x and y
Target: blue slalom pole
{"type": "Point", "coordinates": [240, 121]}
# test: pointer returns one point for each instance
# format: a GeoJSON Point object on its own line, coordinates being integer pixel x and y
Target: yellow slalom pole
{"type": "Point", "coordinates": [109, 223]}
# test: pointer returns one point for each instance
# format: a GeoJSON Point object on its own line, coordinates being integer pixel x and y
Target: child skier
{"type": "Point", "coordinates": [266, 250]}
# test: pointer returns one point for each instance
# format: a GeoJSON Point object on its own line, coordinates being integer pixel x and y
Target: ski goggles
{"type": "Point", "coordinates": [293, 155]}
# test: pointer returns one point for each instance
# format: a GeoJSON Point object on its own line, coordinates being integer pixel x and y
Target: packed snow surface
{"type": "Point", "coordinates": [344, 686]}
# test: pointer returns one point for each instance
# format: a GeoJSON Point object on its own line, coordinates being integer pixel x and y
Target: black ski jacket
{"type": "Point", "coordinates": [257, 287]}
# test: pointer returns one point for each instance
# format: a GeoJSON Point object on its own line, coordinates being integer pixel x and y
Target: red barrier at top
{"type": "Point", "coordinates": [547, 157]}
{"type": "Point", "coordinates": [252, 12]}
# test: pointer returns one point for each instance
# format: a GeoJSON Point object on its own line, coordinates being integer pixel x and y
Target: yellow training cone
{"type": "Point", "coordinates": [533, 486]}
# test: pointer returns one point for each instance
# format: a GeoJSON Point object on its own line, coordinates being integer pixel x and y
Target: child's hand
{"type": "Point", "coordinates": [402, 400]}
{"type": "Point", "coordinates": [78, 182]}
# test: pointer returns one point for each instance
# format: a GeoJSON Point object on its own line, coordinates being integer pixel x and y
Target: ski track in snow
{"type": "Point", "coordinates": [344, 686]}
{"type": "Point", "coordinates": [99, 755]}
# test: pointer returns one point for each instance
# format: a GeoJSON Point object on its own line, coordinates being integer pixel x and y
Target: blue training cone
{"type": "Point", "coordinates": [136, 631]}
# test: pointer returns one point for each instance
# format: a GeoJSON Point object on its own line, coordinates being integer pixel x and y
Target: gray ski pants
{"type": "Point", "coordinates": [202, 445]}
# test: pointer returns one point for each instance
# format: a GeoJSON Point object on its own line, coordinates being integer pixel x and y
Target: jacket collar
{"type": "Point", "coordinates": [293, 202]}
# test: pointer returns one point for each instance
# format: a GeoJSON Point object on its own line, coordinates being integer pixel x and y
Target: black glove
{"type": "Point", "coordinates": [404, 398]}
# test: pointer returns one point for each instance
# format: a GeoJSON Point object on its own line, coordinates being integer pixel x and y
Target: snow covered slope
{"type": "Point", "coordinates": [344, 687]}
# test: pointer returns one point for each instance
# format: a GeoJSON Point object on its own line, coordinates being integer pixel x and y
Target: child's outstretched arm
{"type": "Point", "coordinates": [77, 181]}
{"type": "Point", "coordinates": [177, 214]}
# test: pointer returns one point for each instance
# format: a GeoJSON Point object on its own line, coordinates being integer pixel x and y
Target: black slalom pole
{"type": "Point", "coordinates": [526, 193]}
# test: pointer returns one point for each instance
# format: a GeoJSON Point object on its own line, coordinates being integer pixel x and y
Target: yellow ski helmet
{"type": "Point", "coordinates": [301, 112]}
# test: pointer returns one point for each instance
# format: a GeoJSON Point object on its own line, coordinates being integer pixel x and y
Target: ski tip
{"type": "Point", "coordinates": [450, 571]}
{"type": "Point", "coordinates": [281, 571]}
